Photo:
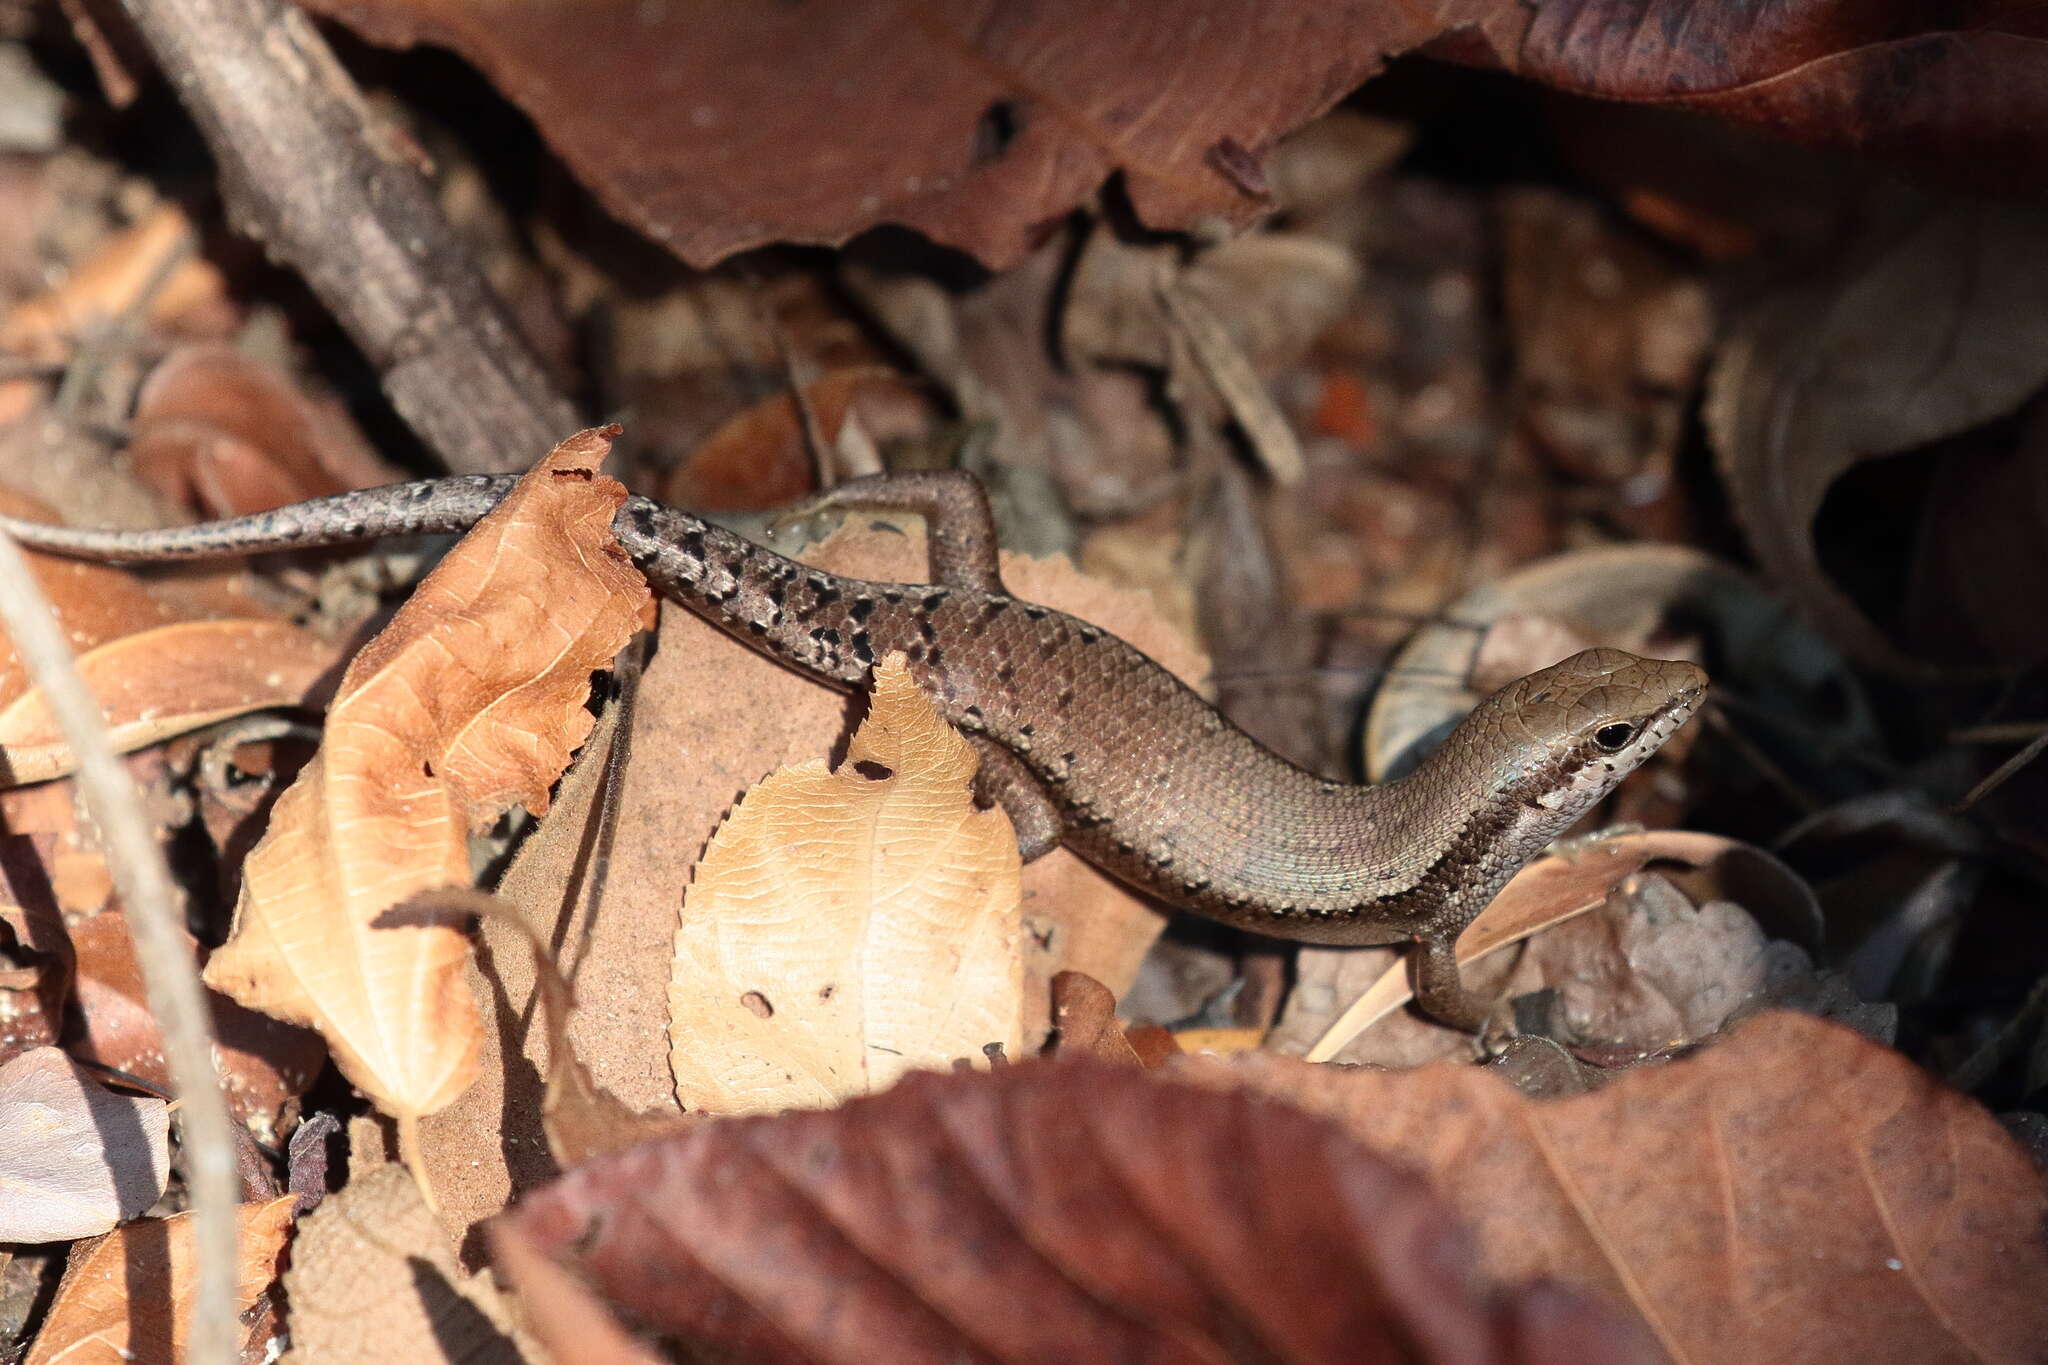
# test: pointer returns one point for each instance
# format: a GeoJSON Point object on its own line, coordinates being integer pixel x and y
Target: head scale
{"type": "Point", "coordinates": [1566, 735]}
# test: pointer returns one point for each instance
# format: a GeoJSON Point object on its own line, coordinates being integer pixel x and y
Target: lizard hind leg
{"type": "Point", "coordinates": [1004, 781]}
{"type": "Point", "coordinates": [960, 530]}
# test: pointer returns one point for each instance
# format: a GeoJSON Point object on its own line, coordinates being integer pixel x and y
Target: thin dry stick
{"type": "Point", "coordinates": [175, 997]}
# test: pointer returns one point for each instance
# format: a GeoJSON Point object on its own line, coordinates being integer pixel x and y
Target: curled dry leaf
{"type": "Point", "coordinates": [75, 1158]}
{"type": "Point", "coordinates": [471, 700]}
{"type": "Point", "coordinates": [1046, 1211]}
{"type": "Point", "coordinates": [224, 435]}
{"type": "Point", "coordinates": [1932, 326]}
{"type": "Point", "coordinates": [1795, 1192]}
{"type": "Point", "coordinates": [848, 926]}
{"type": "Point", "coordinates": [156, 671]}
{"type": "Point", "coordinates": [128, 1296]}
{"type": "Point", "coordinates": [372, 1278]}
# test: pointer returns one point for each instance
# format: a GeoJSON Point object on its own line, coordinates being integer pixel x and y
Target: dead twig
{"type": "Point", "coordinates": [302, 170]}
{"type": "Point", "coordinates": [168, 971]}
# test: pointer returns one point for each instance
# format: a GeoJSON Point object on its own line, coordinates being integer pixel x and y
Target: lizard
{"type": "Point", "coordinates": [1085, 740]}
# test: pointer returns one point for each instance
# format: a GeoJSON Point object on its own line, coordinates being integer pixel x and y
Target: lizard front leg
{"type": "Point", "coordinates": [959, 528]}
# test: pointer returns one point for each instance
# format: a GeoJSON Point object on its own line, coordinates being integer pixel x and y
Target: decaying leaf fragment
{"type": "Point", "coordinates": [848, 926]}
{"type": "Point", "coordinates": [75, 1158]}
{"type": "Point", "coordinates": [128, 1297]}
{"type": "Point", "coordinates": [469, 702]}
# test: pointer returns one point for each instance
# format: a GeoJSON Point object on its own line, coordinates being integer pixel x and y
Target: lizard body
{"type": "Point", "coordinates": [1141, 775]}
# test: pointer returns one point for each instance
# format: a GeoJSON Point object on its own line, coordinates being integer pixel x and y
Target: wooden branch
{"type": "Point", "coordinates": [304, 170]}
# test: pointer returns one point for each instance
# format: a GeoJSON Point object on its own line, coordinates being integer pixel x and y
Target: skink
{"type": "Point", "coordinates": [1085, 740]}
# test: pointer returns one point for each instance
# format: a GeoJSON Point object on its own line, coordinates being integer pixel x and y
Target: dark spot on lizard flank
{"type": "Point", "coordinates": [642, 519]}
{"type": "Point", "coordinates": [827, 594]}
{"type": "Point", "coordinates": [737, 565]}
{"type": "Point", "coordinates": [934, 658]}
{"type": "Point", "coordinates": [971, 711]}
{"type": "Point", "coordinates": [1050, 650]}
{"type": "Point", "coordinates": [1035, 613]}
{"type": "Point", "coordinates": [994, 607]}
{"type": "Point", "coordinates": [914, 651]}
{"type": "Point", "coordinates": [891, 595]}
{"type": "Point", "coordinates": [924, 628]}
{"type": "Point", "coordinates": [933, 601]}
{"type": "Point", "coordinates": [819, 583]}
{"type": "Point", "coordinates": [778, 592]}
{"type": "Point", "coordinates": [1089, 635]}
{"type": "Point", "coordinates": [825, 635]}
{"type": "Point", "coordinates": [1069, 758]}
{"type": "Point", "coordinates": [863, 607]}
{"type": "Point", "coordinates": [1125, 847]}
{"type": "Point", "coordinates": [758, 627]}
{"type": "Point", "coordinates": [1027, 729]}
{"type": "Point", "coordinates": [863, 647]}
{"type": "Point", "coordinates": [1005, 673]}
{"type": "Point", "coordinates": [1065, 698]}
{"type": "Point", "coordinates": [693, 544]}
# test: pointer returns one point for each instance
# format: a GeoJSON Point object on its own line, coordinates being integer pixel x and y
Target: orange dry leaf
{"type": "Point", "coordinates": [846, 927]}
{"type": "Point", "coordinates": [470, 701]}
{"type": "Point", "coordinates": [128, 1297]}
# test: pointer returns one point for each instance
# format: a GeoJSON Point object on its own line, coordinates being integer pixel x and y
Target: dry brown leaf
{"type": "Point", "coordinates": [471, 700]}
{"type": "Point", "coordinates": [1936, 324]}
{"type": "Point", "coordinates": [128, 1296]}
{"type": "Point", "coordinates": [761, 458]}
{"type": "Point", "coordinates": [1044, 1212]}
{"type": "Point", "coordinates": [1793, 1193]}
{"type": "Point", "coordinates": [223, 434]}
{"type": "Point", "coordinates": [848, 926]}
{"type": "Point", "coordinates": [372, 1281]}
{"type": "Point", "coordinates": [75, 1158]}
{"type": "Point", "coordinates": [1084, 1013]}
{"type": "Point", "coordinates": [976, 125]}
{"type": "Point", "coordinates": [263, 1064]}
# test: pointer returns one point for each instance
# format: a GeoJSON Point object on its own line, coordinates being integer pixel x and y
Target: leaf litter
{"type": "Point", "coordinates": [1452, 376]}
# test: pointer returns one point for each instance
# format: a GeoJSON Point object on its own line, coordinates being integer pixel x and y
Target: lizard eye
{"type": "Point", "coordinates": [1615, 737]}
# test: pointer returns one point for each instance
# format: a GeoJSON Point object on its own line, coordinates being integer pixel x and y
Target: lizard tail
{"type": "Point", "coordinates": [430, 507]}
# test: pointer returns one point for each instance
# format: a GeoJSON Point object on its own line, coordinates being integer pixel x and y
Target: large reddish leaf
{"type": "Point", "coordinates": [1957, 91]}
{"type": "Point", "coordinates": [716, 127]}
{"type": "Point", "coordinates": [1047, 1211]}
{"type": "Point", "coordinates": [1794, 1193]}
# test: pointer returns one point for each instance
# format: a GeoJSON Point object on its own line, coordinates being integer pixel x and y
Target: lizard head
{"type": "Point", "coordinates": [1565, 735]}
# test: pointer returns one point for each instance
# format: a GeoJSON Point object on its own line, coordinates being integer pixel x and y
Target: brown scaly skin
{"type": "Point", "coordinates": [1129, 767]}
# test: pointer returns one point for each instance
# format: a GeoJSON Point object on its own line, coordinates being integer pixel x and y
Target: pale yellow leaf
{"type": "Point", "coordinates": [848, 926]}
{"type": "Point", "coordinates": [470, 701]}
